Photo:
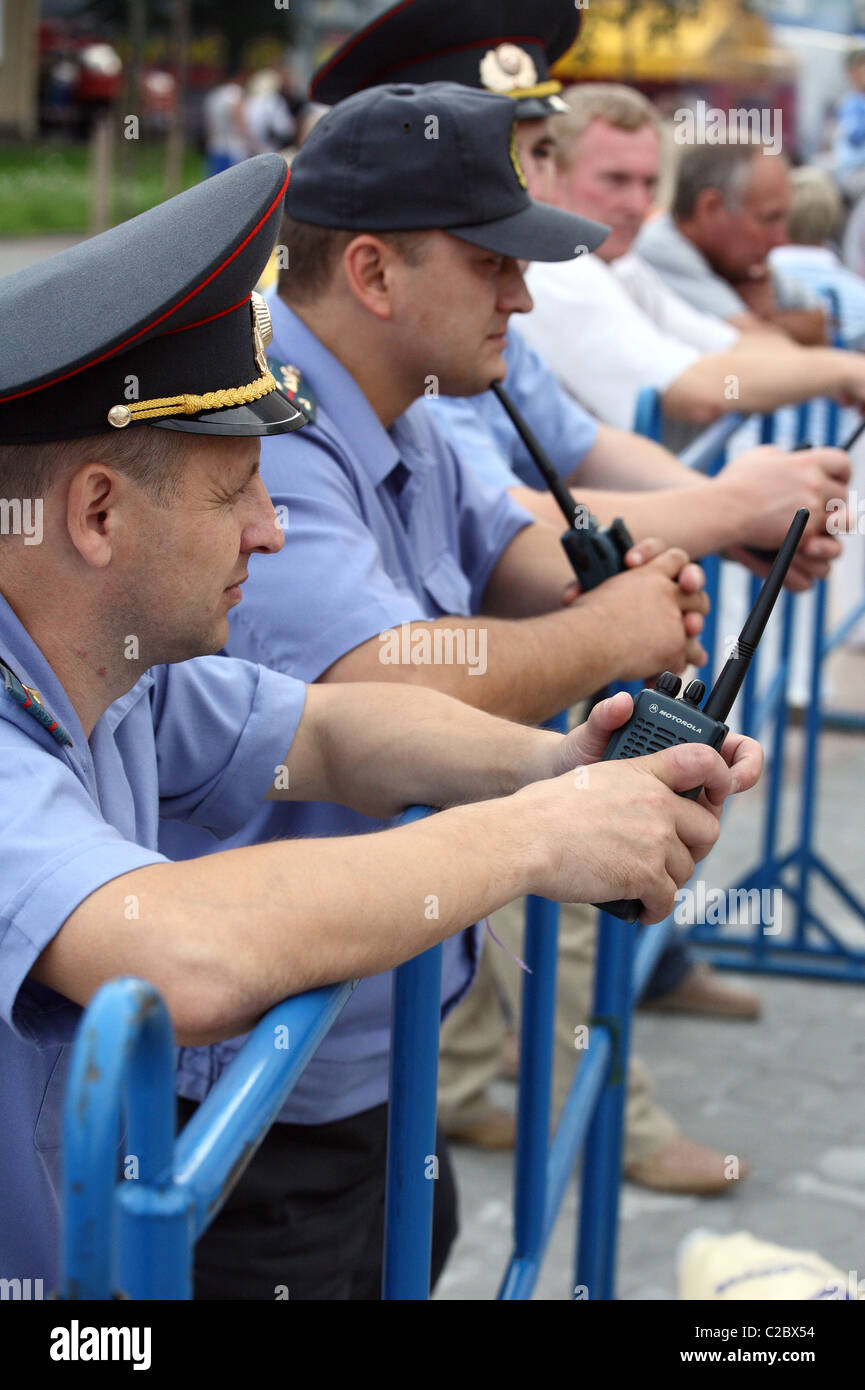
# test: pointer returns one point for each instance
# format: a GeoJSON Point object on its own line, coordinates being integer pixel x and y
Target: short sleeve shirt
{"type": "Point", "coordinates": [197, 741]}
{"type": "Point", "coordinates": [482, 435]}
{"type": "Point", "coordinates": [382, 527]}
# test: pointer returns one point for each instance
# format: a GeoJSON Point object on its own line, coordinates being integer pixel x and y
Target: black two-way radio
{"type": "Point", "coordinates": [767, 556]}
{"type": "Point", "coordinates": [596, 552]}
{"type": "Point", "coordinates": [661, 718]}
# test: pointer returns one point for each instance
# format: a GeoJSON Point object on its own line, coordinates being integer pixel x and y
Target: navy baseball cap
{"type": "Point", "coordinates": [154, 322]}
{"type": "Point", "coordinates": [504, 46]}
{"type": "Point", "coordinates": [412, 158]}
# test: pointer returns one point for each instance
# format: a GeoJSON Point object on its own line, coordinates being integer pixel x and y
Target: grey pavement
{"type": "Point", "coordinates": [786, 1093]}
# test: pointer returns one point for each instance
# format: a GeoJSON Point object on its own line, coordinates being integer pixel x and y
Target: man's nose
{"type": "Point", "coordinates": [265, 530]}
{"type": "Point", "coordinates": [514, 297]}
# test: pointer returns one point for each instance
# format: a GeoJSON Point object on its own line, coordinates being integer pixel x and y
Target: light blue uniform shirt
{"type": "Point", "coordinates": [849, 141]}
{"type": "Point", "coordinates": [481, 433]}
{"type": "Point", "coordinates": [196, 741]}
{"type": "Point", "coordinates": [384, 527]}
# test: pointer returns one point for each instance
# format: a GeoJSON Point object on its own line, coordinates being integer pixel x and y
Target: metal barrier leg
{"type": "Point", "coordinates": [602, 1157]}
{"type": "Point", "coordinates": [533, 1112]}
{"type": "Point", "coordinates": [411, 1158]}
{"type": "Point", "coordinates": [126, 1031]}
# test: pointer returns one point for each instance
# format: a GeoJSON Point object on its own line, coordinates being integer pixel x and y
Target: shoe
{"type": "Point", "coordinates": [495, 1130]}
{"type": "Point", "coordinates": [702, 991]}
{"type": "Point", "coordinates": [686, 1167]}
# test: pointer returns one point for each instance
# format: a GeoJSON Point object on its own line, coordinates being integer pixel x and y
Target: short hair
{"type": "Point", "coordinates": [816, 208]}
{"type": "Point", "coordinates": [615, 105]}
{"type": "Point", "coordinates": [726, 166]}
{"type": "Point", "coordinates": [855, 57]}
{"type": "Point", "coordinates": [313, 254]}
{"type": "Point", "coordinates": [155, 459]}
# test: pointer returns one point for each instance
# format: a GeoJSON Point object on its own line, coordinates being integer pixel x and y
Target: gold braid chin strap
{"type": "Point", "coordinates": [121, 415]}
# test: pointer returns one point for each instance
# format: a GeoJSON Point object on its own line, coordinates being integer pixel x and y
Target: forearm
{"type": "Point", "coordinates": [747, 380]}
{"type": "Point", "coordinates": [381, 747]}
{"type": "Point", "coordinates": [630, 462]}
{"type": "Point", "coordinates": [226, 937]}
{"type": "Point", "coordinates": [526, 670]}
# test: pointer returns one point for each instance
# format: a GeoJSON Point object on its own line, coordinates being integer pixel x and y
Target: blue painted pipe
{"type": "Point", "coordinates": [126, 1027]}
{"type": "Point", "coordinates": [231, 1121]}
{"type": "Point", "coordinates": [601, 1176]}
{"type": "Point", "coordinates": [412, 1165]}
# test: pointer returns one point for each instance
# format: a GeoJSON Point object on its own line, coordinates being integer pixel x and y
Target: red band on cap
{"type": "Point", "coordinates": [112, 352]}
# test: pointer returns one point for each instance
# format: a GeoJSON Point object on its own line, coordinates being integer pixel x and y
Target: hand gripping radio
{"type": "Point", "coordinates": [662, 717]}
{"type": "Point", "coordinates": [596, 552]}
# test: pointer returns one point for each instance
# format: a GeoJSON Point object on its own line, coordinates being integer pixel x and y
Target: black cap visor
{"type": "Point", "coordinates": [536, 233]}
{"type": "Point", "coordinates": [272, 414]}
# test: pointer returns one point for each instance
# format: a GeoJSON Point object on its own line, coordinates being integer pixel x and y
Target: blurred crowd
{"type": "Point", "coordinates": [242, 118]}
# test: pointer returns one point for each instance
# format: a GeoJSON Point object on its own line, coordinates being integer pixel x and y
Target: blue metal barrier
{"type": "Point", "coordinates": [813, 948]}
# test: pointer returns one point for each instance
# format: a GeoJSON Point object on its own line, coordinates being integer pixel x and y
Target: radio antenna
{"type": "Point", "coordinates": [561, 493]}
{"type": "Point", "coordinates": [727, 686]}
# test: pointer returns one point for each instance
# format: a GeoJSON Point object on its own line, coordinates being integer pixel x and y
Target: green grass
{"type": "Point", "coordinates": [46, 187]}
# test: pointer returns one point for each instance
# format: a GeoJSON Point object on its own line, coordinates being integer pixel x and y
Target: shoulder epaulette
{"type": "Point", "coordinates": [31, 700]}
{"type": "Point", "coordinates": [292, 383]}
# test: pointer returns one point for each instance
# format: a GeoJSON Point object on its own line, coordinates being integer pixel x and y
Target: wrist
{"type": "Point", "coordinates": [734, 505]}
{"type": "Point", "coordinates": [542, 758]}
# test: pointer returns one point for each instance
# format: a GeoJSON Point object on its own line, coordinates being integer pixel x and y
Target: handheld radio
{"type": "Point", "coordinates": [767, 556]}
{"type": "Point", "coordinates": [596, 552]}
{"type": "Point", "coordinates": [662, 717]}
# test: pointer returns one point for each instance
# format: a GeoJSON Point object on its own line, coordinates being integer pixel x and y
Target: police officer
{"type": "Point", "coordinates": [130, 417]}
{"type": "Point", "coordinates": [486, 46]}
{"type": "Point", "coordinates": [509, 46]}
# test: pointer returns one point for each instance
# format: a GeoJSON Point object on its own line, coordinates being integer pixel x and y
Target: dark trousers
{"type": "Point", "coordinates": [306, 1219]}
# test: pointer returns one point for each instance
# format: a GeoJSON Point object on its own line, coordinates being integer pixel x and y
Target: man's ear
{"type": "Point", "coordinates": [366, 262]}
{"type": "Point", "coordinates": [709, 202]}
{"type": "Point", "coordinates": [91, 512]}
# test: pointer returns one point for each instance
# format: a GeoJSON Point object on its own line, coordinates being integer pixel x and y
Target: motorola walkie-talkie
{"type": "Point", "coordinates": [596, 552]}
{"type": "Point", "coordinates": [662, 718]}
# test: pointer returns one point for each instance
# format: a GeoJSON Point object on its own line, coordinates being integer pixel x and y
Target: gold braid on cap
{"type": "Point", "coordinates": [120, 415]}
{"type": "Point", "coordinates": [262, 331]}
{"type": "Point", "coordinates": [540, 89]}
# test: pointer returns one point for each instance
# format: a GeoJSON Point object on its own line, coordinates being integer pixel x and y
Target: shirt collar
{"type": "Point", "coordinates": [29, 664]}
{"type": "Point", "coordinates": [337, 394]}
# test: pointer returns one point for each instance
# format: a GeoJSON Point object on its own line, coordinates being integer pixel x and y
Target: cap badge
{"type": "Point", "coordinates": [507, 67]}
{"type": "Point", "coordinates": [262, 329]}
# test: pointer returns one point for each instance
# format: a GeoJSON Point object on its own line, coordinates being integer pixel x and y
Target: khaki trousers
{"type": "Point", "coordinates": [473, 1032]}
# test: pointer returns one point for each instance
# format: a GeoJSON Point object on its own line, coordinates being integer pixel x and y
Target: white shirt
{"type": "Point", "coordinates": [609, 330]}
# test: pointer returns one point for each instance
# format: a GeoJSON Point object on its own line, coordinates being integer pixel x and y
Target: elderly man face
{"type": "Point", "coordinates": [736, 233]}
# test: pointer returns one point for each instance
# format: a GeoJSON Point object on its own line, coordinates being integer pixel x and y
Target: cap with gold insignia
{"type": "Point", "coordinates": [153, 322]}
{"type": "Point", "coordinates": [403, 158]}
{"type": "Point", "coordinates": [505, 46]}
